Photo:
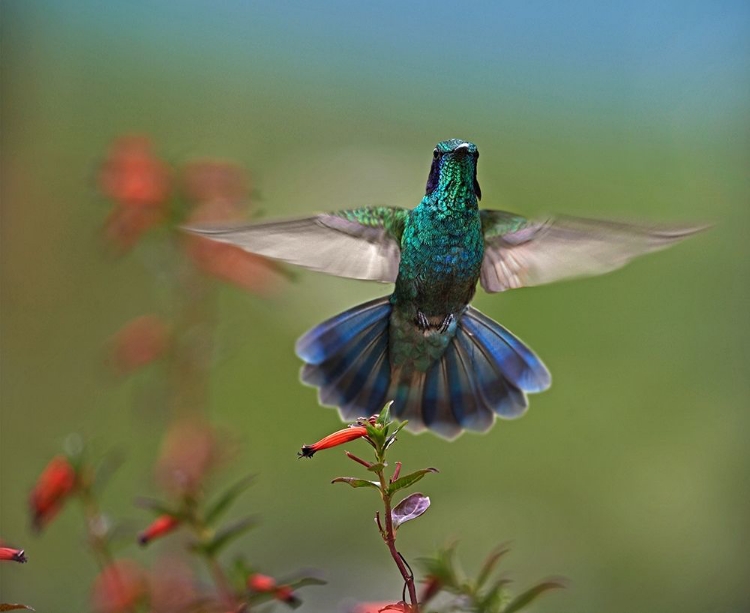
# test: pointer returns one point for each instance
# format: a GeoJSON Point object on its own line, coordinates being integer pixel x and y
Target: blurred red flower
{"type": "Point", "coordinates": [216, 181]}
{"type": "Point", "coordinates": [9, 554]}
{"type": "Point", "coordinates": [218, 191]}
{"type": "Point", "coordinates": [55, 484]}
{"type": "Point", "coordinates": [284, 593]}
{"type": "Point", "coordinates": [132, 175]}
{"type": "Point", "coordinates": [139, 184]}
{"type": "Point", "coordinates": [161, 526]}
{"type": "Point", "coordinates": [189, 452]}
{"type": "Point", "coordinates": [119, 587]}
{"type": "Point", "coordinates": [431, 587]}
{"type": "Point", "coordinates": [263, 584]}
{"type": "Point", "coordinates": [124, 226]}
{"type": "Point", "coordinates": [138, 343]}
{"type": "Point", "coordinates": [172, 587]}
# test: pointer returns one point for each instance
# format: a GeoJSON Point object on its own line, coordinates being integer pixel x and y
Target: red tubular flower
{"type": "Point", "coordinates": [141, 341]}
{"type": "Point", "coordinates": [263, 584]}
{"type": "Point", "coordinates": [284, 593]}
{"type": "Point", "coordinates": [332, 440]}
{"type": "Point", "coordinates": [161, 526]}
{"type": "Point", "coordinates": [9, 554]}
{"type": "Point", "coordinates": [55, 484]}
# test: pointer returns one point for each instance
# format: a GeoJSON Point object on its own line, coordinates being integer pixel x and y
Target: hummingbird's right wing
{"type": "Point", "coordinates": [520, 252]}
{"type": "Point", "coordinates": [360, 243]}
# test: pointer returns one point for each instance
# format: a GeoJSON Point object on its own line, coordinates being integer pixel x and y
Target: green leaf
{"type": "Point", "coordinates": [6, 606]}
{"type": "Point", "coordinates": [305, 581]}
{"type": "Point", "coordinates": [385, 415]}
{"type": "Point", "coordinates": [493, 598]}
{"type": "Point", "coordinates": [354, 482]}
{"type": "Point", "coordinates": [392, 438]}
{"type": "Point", "coordinates": [376, 467]}
{"type": "Point", "coordinates": [409, 508]}
{"type": "Point", "coordinates": [410, 479]}
{"type": "Point", "coordinates": [227, 498]}
{"type": "Point", "coordinates": [226, 535]}
{"type": "Point", "coordinates": [443, 566]}
{"type": "Point", "coordinates": [530, 595]}
{"type": "Point", "coordinates": [490, 564]}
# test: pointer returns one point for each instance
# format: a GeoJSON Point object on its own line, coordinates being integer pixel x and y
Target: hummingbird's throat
{"type": "Point", "coordinates": [457, 183]}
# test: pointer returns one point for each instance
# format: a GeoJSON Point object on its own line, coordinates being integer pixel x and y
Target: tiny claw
{"type": "Point", "coordinates": [447, 322]}
{"type": "Point", "coordinates": [422, 321]}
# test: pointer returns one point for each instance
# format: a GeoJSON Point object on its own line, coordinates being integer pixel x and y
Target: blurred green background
{"type": "Point", "coordinates": [630, 476]}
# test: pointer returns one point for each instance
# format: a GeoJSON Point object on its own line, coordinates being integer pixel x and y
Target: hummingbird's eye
{"type": "Point", "coordinates": [435, 154]}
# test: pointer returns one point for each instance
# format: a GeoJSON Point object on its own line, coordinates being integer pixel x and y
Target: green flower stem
{"type": "Point", "coordinates": [389, 534]}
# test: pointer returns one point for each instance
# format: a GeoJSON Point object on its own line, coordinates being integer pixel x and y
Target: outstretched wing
{"type": "Point", "coordinates": [359, 243]}
{"type": "Point", "coordinates": [520, 252]}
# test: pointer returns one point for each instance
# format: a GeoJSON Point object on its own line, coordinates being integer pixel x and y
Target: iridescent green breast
{"type": "Point", "coordinates": [441, 256]}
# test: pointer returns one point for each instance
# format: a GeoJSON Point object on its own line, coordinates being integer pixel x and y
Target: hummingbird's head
{"type": "Point", "coordinates": [454, 159]}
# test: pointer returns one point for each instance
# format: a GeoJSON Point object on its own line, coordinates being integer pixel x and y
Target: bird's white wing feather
{"type": "Point", "coordinates": [327, 243]}
{"type": "Point", "coordinates": [566, 247]}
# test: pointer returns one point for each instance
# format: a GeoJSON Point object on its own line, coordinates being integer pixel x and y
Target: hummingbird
{"type": "Point", "coordinates": [445, 366]}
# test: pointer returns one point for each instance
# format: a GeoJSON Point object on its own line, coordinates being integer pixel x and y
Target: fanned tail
{"type": "Point", "coordinates": [485, 371]}
{"type": "Point", "coordinates": [347, 358]}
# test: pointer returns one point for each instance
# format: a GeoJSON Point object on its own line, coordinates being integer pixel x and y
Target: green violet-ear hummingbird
{"type": "Point", "coordinates": [444, 365]}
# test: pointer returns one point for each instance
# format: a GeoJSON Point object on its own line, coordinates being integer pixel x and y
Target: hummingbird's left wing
{"type": "Point", "coordinates": [360, 243]}
{"type": "Point", "coordinates": [521, 252]}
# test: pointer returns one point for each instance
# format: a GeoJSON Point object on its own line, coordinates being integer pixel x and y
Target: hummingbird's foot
{"type": "Point", "coordinates": [422, 321]}
{"type": "Point", "coordinates": [449, 319]}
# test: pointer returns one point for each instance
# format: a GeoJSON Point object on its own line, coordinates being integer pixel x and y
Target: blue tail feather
{"type": "Point", "coordinates": [496, 392]}
{"type": "Point", "coordinates": [517, 362]}
{"type": "Point", "coordinates": [326, 339]}
{"type": "Point", "coordinates": [358, 361]}
{"type": "Point", "coordinates": [467, 403]}
{"type": "Point", "coordinates": [372, 393]}
{"type": "Point", "coordinates": [346, 357]}
{"type": "Point", "coordinates": [484, 372]}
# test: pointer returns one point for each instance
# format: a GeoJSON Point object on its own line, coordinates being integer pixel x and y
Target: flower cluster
{"type": "Point", "coordinates": [148, 194]}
